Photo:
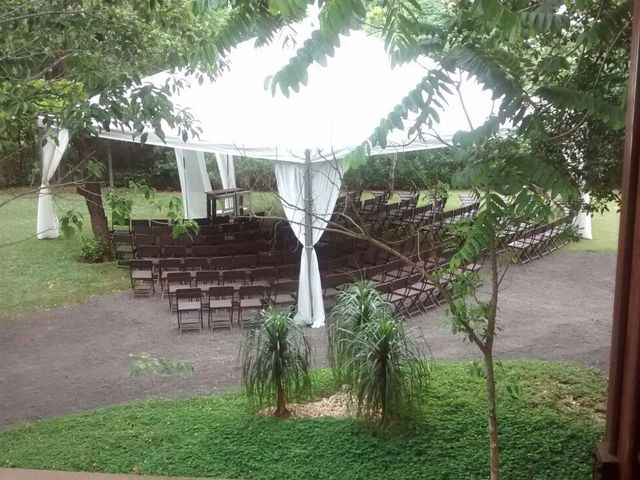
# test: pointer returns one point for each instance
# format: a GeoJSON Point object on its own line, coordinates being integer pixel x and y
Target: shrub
{"type": "Point", "coordinates": [355, 307]}
{"type": "Point", "coordinates": [388, 376]}
{"type": "Point", "coordinates": [275, 361]}
{"type": "Point", "coordinates": [91, 250]}
{"type": "Point", "coordinates": [370, 353]}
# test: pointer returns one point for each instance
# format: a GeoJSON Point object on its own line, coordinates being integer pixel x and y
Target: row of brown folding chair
{"type": "Point", "coordinates": [247, 298]}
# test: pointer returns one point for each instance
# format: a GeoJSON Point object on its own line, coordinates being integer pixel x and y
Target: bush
{"type": "Point", "coordinates": [91, 250]}
{"type": "Point", "coordinates": [356, 306]}
{"type": "Point", "coordinates": [372, 356]}
{"type": "Point", "coordinates": [387, 375]}
{"type": "Point", "coordinates": [422, 170]}
{"type": "Point", "coordinates": [275, 361]}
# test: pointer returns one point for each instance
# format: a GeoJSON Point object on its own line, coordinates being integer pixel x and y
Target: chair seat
{"type": "Point", "coordinates": [284, 298]}
{"type": "Point", "coordinates": [173, 288]}
{"type": "Point", "coordinates": [189, 306]}
{"type": "Point", "coordinates": [222, 303]}
{"type": "Point", "coordinates": [142, 275]}
{"type": "Point", "coordinates": [331, 292]}
{"type": "Point", "coordinates": [250, 303]}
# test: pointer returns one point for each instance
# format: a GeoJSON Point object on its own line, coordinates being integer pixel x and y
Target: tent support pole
{"type": "Point", "coordinates": [308, 223]}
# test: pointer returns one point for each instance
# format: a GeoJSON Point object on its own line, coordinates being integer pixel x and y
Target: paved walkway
{"type": "Point", "coordinates": [76, 358]}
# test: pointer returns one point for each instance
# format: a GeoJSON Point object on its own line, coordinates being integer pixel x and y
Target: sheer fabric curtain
{"type": "Point", "coordinates": [194, 181]}
{"type": "Point", "coordinates": [326, 179]}
{"type": "Point", "coordinates": [227, 171]}
{"type": "Point", "coordinates": [47, 221]}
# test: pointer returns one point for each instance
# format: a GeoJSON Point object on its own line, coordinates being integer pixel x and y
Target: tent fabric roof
{"type": "Point", "coordinates": [334, 113]}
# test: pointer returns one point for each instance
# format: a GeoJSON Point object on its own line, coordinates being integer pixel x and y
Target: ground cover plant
{"type": "Point", "coordinates": [547, 433]}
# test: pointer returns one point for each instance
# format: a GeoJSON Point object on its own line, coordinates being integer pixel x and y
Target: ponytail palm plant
{"type": "Point", "coordinates": [356, 306]}
{"type": "Point", "coordinates": [275, 361]}
{"type": "Point", "coordinates": [388, 376]}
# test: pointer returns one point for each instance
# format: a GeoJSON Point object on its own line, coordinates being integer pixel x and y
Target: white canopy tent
{"type": "Point", "coordinates": [307, 134]}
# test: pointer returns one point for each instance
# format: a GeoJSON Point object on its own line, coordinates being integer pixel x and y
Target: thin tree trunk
{"type": "Point", "coordinates": [110, 165]}
{"type": "Point", "coordinates": [494, 438]}
{"type": "Point", "coordinates": [392, 173]}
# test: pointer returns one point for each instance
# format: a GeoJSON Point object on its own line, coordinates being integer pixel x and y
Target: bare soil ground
{"type": "Point", "coordinates": [76, 358]}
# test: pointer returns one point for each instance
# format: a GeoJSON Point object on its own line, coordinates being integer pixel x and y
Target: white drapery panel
{"type": "Point", "coordinates": [583, 220]}
{"type": "Point", "coordinates": [227, 170]}
{"type": "Point", "coordinates": [52, 151]}
{"type": "Point", "coordinates": [326, 179]}
{"type": "Point", "coordinates": [194, 181]}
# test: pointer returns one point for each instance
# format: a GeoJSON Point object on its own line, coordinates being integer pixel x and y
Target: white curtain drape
{"type": "Point", "coordinates": [194, 181]}
{"type": "Point", "coordinates": [52, 151]}
{"type": "Point", "coordinates": [583, 220]}
{"type": "Point", "coordinates": [326, 179]}
{"type": "Point", "coordinates": [227, 171]}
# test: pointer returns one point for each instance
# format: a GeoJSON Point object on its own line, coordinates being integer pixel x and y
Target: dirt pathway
{"type": "Point", "coordinates": [76, 358]}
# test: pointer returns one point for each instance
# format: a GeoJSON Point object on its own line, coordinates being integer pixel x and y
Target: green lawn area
{"type": "Point", "coordinates": [548, 432]}
{"type": "Point", "coordinates": [605, 233]}
{"type": "Point", "coordinates": [46, 273]}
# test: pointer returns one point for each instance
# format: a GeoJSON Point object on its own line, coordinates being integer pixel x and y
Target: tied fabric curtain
{"type": "Point", "coordinates": [227, 171]}
{"type": "Point", "coordinates": [194, 181]}
{"type": "Point", "coordinates": [583, 220]}
{"type": "Point", "coordinates": [326, 179]}
{"type": "Point", "coordinates": [47, 221]}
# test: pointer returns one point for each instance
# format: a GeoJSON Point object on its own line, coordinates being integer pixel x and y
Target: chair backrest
{"type": "Point", "coordinates": [226, 249]}
{"type": "Point", "coordinates": [144, 239]}
{"type": "Point", "coordinates": [147, 251]}
{"type": "Point", "coordinates": [196, 263]}
{"type": "Point", "coordinates": [288, 271]}
{"type": "Point", "coordinates": [139, 223]}
{"type": "Point", "coordinates": [207, 277]}
{"type": "Point", "coordinates": [166, 264]}
{"type": "Point", "coordinates": [192, 294]}
{"type": "Point", "coordinates": [183, 278]}
{"type": "Point", "coordinates": [140, 265]}
{"type": "Point", "coordinates": [269, 259]}
{"type": "Point", "coordinates": [286, 287]}
{"type": "Point", "coordinates": [263, 273]}
{"type": "Point", "coordinates": [245, 261]}
{"type": "Point", "coordinates": [203, 251]}
{"type": "Point", "coordinates": [176, 251]}
{"type": "Point", "coordinates": [221, 292]}
{"type": "Point", "coordinates": [221, 263]}
{"type": "Point", "coordinates": [234, 276]}
{"type": "Point", "coordinates": [251, 291]}
{"type": "Point", "coordinates": [122, 238]}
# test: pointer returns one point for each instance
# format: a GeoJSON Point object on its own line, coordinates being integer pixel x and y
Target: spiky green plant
{"type": "Point", "coordinates": [355, 307]}
{"type": "Point", "coordinates": [388, 375]}
{"type": "Point", "coordinates": [275, 361]}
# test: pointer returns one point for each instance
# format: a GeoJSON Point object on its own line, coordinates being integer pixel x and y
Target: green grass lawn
{"type": "Point", "coordinates": [605, 233]}
{"type": "Point", "coordinates": [548, 432]}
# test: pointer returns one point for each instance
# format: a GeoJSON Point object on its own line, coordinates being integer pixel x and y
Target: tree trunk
{"type": "Point", "coordinates": [281, 406]}
{"type": "Point", "coordinates": [494, 439]}
{"type": "Point", "coordinates": [92, 193]}
{"type": "Point", "coordinates": [392, 173]}
{"type": "Point", "coordinates": [110, 165]}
